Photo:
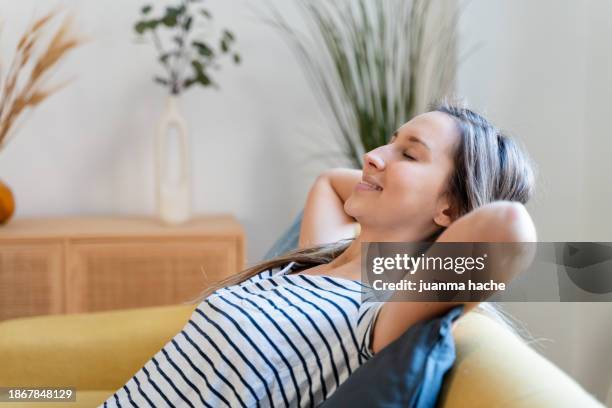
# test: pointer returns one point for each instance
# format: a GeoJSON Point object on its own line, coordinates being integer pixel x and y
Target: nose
{"type": "Point", "coordinates": [373, 158]}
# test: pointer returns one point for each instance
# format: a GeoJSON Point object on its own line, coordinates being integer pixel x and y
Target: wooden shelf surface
{"type": "Point", "coordinates": [118, 226]}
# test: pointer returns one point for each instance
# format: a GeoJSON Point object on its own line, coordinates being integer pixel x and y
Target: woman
{"type": "Point", "coordinates": [289, 331]}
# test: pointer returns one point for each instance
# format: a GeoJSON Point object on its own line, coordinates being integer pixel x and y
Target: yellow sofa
{"type": "Point", "coordinates": [97, 353]}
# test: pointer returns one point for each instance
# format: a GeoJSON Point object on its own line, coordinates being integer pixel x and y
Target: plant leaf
{"type": "Point", "coordinates": [141, 26]}
{"type": "Point", "coordinates": [174, 11]}
{"type": "Point", "coordinates": [197, 66]}
{"type": "Point", "coordinates": [204, 79]}
{"type": "Point", "coordinates": [144, 25]}
{"type": "Point", "coordinates": [223, 45]}
{"type": "Point", "coordinates": [187, 23]}
{"type": "Point", "coordinates": [170, 19]}
{"type": "Point", "coordinates": [236, 59]}
{"type": "Point", "coordinates": [164, 57]}
{"type": "Point", "coordinates": [200, 74]}
{"type": "Point", "coordinates": [203, 49]}
{"type": "Point", "coordinates": [161, 81]}
{"type": "Point", "coordinates": [228, 35]}
{"type": "Point", "coordinates": [188, 82]}
{"type": "Point", "coordinates": [146, 9]}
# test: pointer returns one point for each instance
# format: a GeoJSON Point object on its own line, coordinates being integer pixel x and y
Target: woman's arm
{"type": "Point", "coordinates": [324, 219]}
{"type": "Point", "coordinates": [501, 221]}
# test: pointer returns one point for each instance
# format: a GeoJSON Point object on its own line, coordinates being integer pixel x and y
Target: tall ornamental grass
{"type": "Point", "coordinates": [374, 64]}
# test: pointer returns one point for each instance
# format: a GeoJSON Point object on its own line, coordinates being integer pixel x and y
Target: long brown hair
{"type": "Point", "coordinates": [489, 166]}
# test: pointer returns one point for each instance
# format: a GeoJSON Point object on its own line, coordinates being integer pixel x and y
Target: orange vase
{"type": "Point", "coordinates": [7, 203]}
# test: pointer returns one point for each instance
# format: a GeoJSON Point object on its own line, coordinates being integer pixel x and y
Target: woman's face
{"type": "Point", "coordinates": [413, 170]}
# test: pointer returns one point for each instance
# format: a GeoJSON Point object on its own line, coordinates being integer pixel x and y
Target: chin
{"type": "Point", "coordinates": [350, 207]}
{"type": "Point", "coordinates": [357, 213]}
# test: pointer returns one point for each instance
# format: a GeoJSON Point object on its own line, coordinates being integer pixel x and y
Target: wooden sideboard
{"type": "Point", "coordinates": [85, 264]}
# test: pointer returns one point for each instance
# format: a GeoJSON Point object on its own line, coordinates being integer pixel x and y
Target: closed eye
{"type": "Point", "coordinates": [406, 155]}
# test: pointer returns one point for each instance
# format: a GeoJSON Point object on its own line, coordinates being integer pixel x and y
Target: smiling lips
{"type": "Point", "coordinates": [368, 183]}
{"type": "Point", "coordinates": [365, 186]}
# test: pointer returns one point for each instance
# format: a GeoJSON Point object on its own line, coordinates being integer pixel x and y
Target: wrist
{"type": "Point", "coordinates": [343, 181]}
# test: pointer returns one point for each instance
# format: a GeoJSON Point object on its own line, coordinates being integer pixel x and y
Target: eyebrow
{"type": "Point", "coordinates": [413, 139]}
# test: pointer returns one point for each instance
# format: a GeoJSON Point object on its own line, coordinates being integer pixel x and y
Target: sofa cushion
{"type": "Point", "coordinates": [288, 240]}
{"type": "Point", "coordinates": [407, 373]}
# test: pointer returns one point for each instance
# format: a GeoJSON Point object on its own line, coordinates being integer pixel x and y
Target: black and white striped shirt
{"type": "Point", "coordinates": [274, 340]}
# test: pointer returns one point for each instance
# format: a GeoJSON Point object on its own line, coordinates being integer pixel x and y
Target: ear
{"type": "Point", "coordinates": [444, 214]}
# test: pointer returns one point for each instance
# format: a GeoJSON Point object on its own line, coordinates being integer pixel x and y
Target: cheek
{"type": "Point", "coordinates": [414, 184]}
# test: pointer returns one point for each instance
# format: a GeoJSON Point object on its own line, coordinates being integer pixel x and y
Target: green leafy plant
{"type": "Point", "coordinates": [375, 64]}
{"type": "Point", "coordinates": [188, 59]}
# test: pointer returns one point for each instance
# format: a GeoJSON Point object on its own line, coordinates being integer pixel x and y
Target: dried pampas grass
{"type": "Point", "coordinates": [24, 85]}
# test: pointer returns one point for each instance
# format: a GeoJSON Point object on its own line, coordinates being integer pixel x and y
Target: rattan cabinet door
{"type": "Point", "coordinates": [31, 279]}
{"type": "Point", "coordinates": [116, 275]}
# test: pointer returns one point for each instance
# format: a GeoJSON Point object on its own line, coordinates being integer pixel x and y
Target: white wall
{"type": "Point", "coordinates": [542, 73]}
{"type": "Point", "coordinates": [89, 149]}
{"type": "Point", "coordinates": [598, 185]}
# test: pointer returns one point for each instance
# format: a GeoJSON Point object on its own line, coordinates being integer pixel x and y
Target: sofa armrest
{"type": "Point", "coordinates": [93, 351]}
{"type": "Point", "coordinates": [495, 368]}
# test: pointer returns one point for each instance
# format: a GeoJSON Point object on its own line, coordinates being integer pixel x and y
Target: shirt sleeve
{"type": "Point", "coordinates": [368, 312]}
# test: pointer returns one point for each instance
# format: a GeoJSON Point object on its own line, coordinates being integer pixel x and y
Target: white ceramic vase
{"type": "Point", "coordinates": [173, 196]}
